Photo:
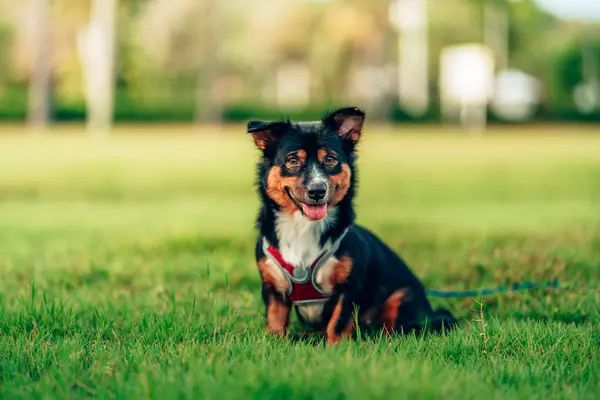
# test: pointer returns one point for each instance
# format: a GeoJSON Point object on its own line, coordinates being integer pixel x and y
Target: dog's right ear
{"type": "Point", "coordinates": [348, 122]}
{"type": "Point", "coordinates": [265, 134]}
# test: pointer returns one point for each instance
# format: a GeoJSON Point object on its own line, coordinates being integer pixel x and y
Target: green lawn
{"type": "Point", "coordinates": [126, 267]}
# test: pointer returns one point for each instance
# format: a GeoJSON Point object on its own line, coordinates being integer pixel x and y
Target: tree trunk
{"type": "Point", "coordinates": [496, 30]}
{"type": "Point", "coordinates": [97, 52]}
{"type": "Point", "coordinates": [209, 108]}
{"type": "Point", "coordinates": [413, 64]}
{"type": "Point", "coordinates": [40, 82]}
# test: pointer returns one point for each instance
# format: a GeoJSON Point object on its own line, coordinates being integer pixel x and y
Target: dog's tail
{"type": "Point", "coordinates": [441, 320]}
{"type": "Point", "coordinates": [438, 321]}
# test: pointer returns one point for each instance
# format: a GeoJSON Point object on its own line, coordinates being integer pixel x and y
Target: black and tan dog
{"type": "Point", "coordinates": [310, 253]}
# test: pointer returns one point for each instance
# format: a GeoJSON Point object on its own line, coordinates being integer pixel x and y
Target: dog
{"type": "Point", "coordinates": [310, 253]}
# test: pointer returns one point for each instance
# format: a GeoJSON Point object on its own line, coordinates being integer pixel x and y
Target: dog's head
{"type": "Point", "coordinates": [308, 166]}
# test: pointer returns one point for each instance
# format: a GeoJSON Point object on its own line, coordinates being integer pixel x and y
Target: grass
{"type": "Point", "coordinates": [126, 268]}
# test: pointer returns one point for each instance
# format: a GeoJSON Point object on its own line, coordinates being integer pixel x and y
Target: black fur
{"type": "Point", "coordinates": [377, 272]}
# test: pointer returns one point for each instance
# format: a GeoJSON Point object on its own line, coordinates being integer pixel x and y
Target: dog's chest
{"type": "Point", "coordinates": [299, 245]}
{"type": "Point", "coordinates": [299, 238]}
{"type": "Point", "coordinates": [312, 312]}
{"type": "Point", "coordinates": [323, 277]}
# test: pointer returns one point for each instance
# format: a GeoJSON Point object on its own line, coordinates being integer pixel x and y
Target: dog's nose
{"type": "Point", "coordinates": [317, 190]}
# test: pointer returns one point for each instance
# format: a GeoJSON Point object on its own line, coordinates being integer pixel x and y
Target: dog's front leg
{"type": "Point", "coordinates": [277, 311]}
{"type": "Point", "coordinates": [341, 324]}
{"type": "Point", "coordinates": [277, 307]}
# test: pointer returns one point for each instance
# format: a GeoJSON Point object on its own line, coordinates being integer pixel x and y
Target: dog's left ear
{"type": "Point", "coordinates": [348, 122]}
{"type": "Point", "coordinates": [266, 134]}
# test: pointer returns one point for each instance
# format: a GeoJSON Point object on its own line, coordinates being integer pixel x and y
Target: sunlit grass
{"type": "Point", "coordinates": [126, 266]}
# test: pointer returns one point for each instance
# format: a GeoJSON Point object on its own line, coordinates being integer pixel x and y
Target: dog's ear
{"type": "Point", "coordinates": [348, 122]}
{"type": "Point", "coordinates": [265, 134]}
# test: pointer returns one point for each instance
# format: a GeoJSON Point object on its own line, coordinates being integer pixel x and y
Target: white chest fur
{"type": "Point", "coordinates": [299, 237]}
{"type": "Point", "coordinates": [299, 246]}
{"type": "Point", "coordinates": [311, 313]}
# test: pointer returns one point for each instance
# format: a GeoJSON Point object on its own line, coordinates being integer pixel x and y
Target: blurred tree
{"type": "Point", "coordinates": [96, 45]}
{"type": "Point", "coordinates": [40, 82]}
{"type": "Point", "coordinates": [68, 19]}
{"type": "Point", "coordinates": [209, 103]}
{"type": "Point", "coordinates": [6, 43]}
{"type": "Point", "coordinates": [569, 72]}
{"type": "Point", "coordinates": [187, 39]}
{"type": "Point", "coordinates": [347, 35]}
{"type": "Point", "coordinates": [465, 26]}
{"type": "Point", "coordinates": [176, 57]}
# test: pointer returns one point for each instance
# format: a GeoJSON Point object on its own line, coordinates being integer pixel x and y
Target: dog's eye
{"type": "Point", "coordinates": [330, 160]}
{"type": "Point", "coordinates": [292, 161]}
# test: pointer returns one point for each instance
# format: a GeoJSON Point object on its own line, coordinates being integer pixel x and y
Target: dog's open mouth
{"type": "Point", "coordinates": [313, 212]}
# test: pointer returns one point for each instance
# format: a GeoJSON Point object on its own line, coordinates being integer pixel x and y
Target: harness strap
{"type": "Point", "coordinates": [303, 287]}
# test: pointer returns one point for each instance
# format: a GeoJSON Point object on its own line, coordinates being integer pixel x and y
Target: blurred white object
{"type": "Point", "coordinates": [516, 95]}
{"type": "Point", "coordinates": [587, 96]}
{"type": "Point", "coordinates": [370, 83]}
{"type": "Point", "coordinates": [96, 46]}
{"type": "Point", "coordinates": [587, 93]}
{"type": "Point", "coordinates": [293, 85]}
{"type": "Point", "coordinates": [466, 83]}
{"type": "Point", "coordinates": [410, 18]}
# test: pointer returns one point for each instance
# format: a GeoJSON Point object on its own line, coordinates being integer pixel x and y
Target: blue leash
{"type": "Point", "coordinates": [486, 292]}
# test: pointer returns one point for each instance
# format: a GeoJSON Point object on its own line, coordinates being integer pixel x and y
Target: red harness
{"type": "Point", "coordinates": [302, 280]}
{"type": "Point", "coordinates": [305, 291]}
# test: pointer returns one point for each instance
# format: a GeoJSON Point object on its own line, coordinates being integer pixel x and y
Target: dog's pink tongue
{"type": "Point", "coordinates": [315, 212]}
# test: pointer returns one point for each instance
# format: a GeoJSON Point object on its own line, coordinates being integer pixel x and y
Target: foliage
{"type": "Point", "coordinates": [174, 52]}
